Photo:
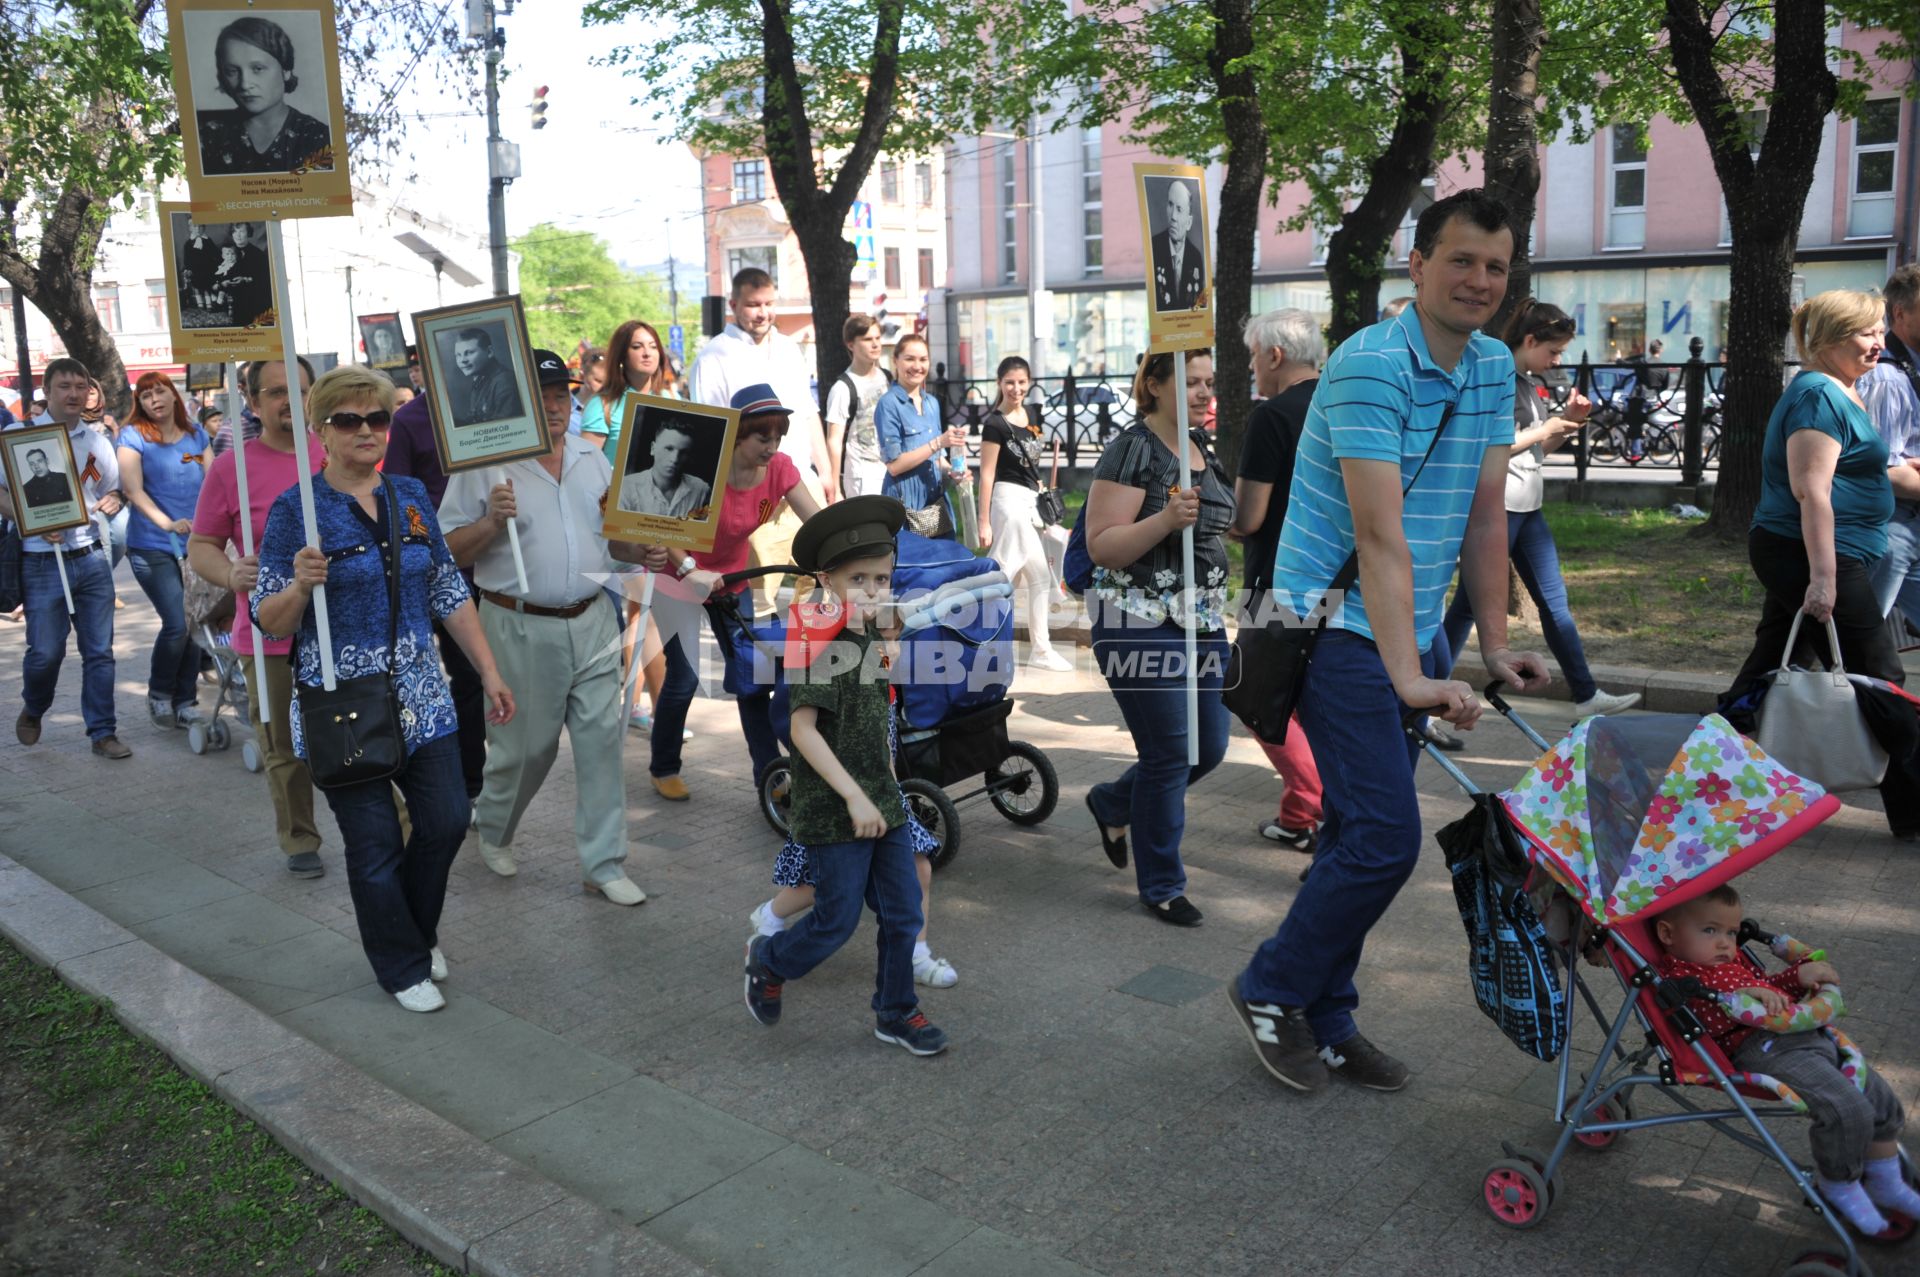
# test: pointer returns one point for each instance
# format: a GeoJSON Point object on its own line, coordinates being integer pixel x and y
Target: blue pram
{"type": "Point", "coordinates": [951, 708]}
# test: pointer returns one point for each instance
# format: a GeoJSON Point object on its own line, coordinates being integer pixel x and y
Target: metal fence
{"type": "Point", "coordinates": [1079, 411]}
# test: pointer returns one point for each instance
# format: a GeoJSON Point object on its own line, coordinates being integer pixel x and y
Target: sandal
{"type": "Point", "coordinates": [1116, 848]}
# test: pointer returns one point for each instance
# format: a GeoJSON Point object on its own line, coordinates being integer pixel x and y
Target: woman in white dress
{"type": "Point", "coordinates": [1010, 524]}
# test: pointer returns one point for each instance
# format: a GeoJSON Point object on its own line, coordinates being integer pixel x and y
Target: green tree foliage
{"type": "Point", "coordinates": [89, 122]}
{"type": "Point", "coordinates": [575, 291]}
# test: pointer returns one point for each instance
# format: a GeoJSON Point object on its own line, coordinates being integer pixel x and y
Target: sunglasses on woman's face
{"type": "Point", "coordinates": [352, 421]}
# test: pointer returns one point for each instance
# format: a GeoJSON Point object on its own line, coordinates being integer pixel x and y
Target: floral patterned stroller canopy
{"type": "Point", "coordinates": [1631, 815]}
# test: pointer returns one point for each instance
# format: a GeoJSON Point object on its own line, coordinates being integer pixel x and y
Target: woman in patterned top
{"type": "Point", "coordinates": [263, 133]}
{"type": "Point", "coordinates": [1141, 604]}
{"type": "Point", "coordinates": [364, 519]}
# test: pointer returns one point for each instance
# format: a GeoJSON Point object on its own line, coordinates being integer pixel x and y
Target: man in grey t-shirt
{"type": "Point", "coordinates": [852, 447]}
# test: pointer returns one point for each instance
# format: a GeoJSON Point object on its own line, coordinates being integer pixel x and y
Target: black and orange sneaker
{"type": "Point", "coordinates": [916, 1033]}
{"type": "Point", "coordinates": [763, 991]}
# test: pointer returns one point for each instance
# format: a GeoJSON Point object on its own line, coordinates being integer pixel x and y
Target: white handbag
{"type": "Point", "coordinates": [1811, 723]}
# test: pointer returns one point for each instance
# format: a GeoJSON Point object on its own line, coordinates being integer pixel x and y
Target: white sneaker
{"type": "Point", "coordinates": [1605, 703]}
{"type": "Point", "coordinates": [619, 891]}
{"type": "Point", "coordinates": [498, 859]}
{"type": "Point", "coordinates": [935, 973]}
{"type": "Point", "coordinates": [421, 997]}
{"type": "Point", "coordinates": [438, 969]}
{"type": "Point", "coordinates": [1050, 660]}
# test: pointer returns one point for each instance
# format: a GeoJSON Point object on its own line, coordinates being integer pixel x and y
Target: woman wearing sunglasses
{"type": "Point", "coordinates": [366, 522]}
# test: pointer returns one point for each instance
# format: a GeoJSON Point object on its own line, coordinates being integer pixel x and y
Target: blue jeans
{"type": "Point", "coordinates": [91, 578]}
{"type": "Point", "coordinates": [1535, 557]}
{"type": "Point", "coordinates": [398, 888]}
{"type": "Point", "coordinates": [879, 871]}
{"type": "Point", "coordinates": [670, 709]}
{"type": "Point", "coordinates": [1896, 574]}
{"type": "Point", "coordinates": [1145, 667]}
{"type": "Point", "coordinates": [1368, 845]}
{"type": "Point", "coordinates": [175, 668]}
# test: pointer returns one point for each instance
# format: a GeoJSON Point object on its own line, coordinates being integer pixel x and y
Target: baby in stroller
{"type": "Point", "coordinates": [1771, 1025]}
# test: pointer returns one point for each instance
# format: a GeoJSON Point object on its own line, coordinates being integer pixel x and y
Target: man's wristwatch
{"type": "Point", "coordinates": [684, 566]}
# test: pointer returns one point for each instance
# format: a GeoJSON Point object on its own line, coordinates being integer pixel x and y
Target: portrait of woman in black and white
{"type": "Point", "coordinates": [263, 132]}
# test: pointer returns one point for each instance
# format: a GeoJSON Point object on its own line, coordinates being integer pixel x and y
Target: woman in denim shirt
{"type": "Point", "coordinates": [907, 422]}
{"type": "Point", "coordinates": [397, 887]}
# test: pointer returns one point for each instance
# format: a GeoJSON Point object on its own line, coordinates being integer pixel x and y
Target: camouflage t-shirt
{"type": "Point", "coordinates": [847, 683]}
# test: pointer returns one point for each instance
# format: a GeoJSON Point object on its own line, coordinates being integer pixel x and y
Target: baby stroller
{"type": "Point", "coordinates": [209, 611]}
{"type": "Point", "coordinates": [951, 708]}
{"type": "Point", "coordinates": [1620, 820]}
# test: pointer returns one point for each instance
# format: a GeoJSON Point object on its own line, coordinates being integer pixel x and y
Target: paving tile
{"type": "Point", "coordinates": [146, 896]}
{"type": "Point", "coordinates": [987, 1251]}
{"type": "Point", "coordinates": [216, 933]}
{"type": "Point", "coordinates": [575, 1239]}
{"type": "Point", "coordinates": [1170, 986]}
{"type": "Point", "coordinates": [49, 925]}
{"type": "Point", "coordinates": [318, 963]}
{"type": "Point", "coordinates": [360, 1025]}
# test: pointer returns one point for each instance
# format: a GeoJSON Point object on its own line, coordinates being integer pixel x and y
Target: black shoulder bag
{"type": "Point", "coordinates": [1268, 664]}
{"type": "Point", "coordinates": [353, 733]}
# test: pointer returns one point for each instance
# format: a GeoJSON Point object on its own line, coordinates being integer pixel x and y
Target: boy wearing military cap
{"type": "Point", "coordinates": [846, 807]}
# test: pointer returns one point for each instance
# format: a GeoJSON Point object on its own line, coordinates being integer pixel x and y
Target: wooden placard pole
{"type": "Point", "coordinates": [296, 402]}
{"type": "Point", "coordinates": [60, 561]}
{"type": "Point", "coordinates": [513, 541]}
{"type": "Point", "coordinates": [639, 642]}
{"type": "Point", "coordinates": [264, 701]}
{"type": "Point", "coordinates": [1186, 562]}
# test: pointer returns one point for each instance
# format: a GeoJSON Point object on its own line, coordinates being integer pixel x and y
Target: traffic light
{"type": "Point", "coordinates": [539, 107]}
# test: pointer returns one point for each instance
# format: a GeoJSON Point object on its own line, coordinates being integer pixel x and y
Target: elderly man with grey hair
{"type": "Point", "coordinates": [1287, 351]}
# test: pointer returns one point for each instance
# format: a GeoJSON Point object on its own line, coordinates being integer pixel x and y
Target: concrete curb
{"type": "Point", "coordinates": [441, 1188]}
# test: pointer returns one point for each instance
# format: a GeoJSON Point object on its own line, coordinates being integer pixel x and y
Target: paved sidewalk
{"type": "Point", "coordinates": [1099, 1111]}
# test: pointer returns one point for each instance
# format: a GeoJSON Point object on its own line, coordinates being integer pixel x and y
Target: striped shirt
{"type": "Point", "coordinates": [1380, 398]}
{"type": "Point", "coordinates": [1893, 401]}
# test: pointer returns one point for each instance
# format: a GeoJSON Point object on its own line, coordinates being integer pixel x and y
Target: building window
{"type": "Point", "coordinates": [1627, 186]}
{"type": "Point", "coordinates": [889, 182]}
{"type": "Point", "coordinates": [1009, 214]}
{"type": "Point", "coordinates": [157, 303]}
{"type": "Point", "coordinates": [749, 181]}
{"type": "Point", "coordinates": [1093, 242]}
{"type": "Point", "coordinates": [1876, 136]}
{"type": "Point", "coordinates": [764, 256]}
{"type": "Point", "coordinates": [923, 182]}
{"type": "Point", "coordinates": [1422, 200]}
{"type": "Point", "coordinates": [926, 268]}
{"type": "Point", "coordinates": [106, 304]}
{"type": "Point", "coordinates": [892, 256]}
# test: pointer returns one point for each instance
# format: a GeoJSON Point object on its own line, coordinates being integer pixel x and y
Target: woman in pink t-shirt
{"type": "Point", "coordinates": [759, 479]}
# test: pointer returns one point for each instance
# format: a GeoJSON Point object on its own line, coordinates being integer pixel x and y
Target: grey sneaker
{"type": "Point", "coordinates": [306, 864]}
{"type": "Point", "coordinates": [188, 714]}
{"type": "Point", "coordinates": [1282, 1040]}
{"type": "Point", "coordinates": [160, 710]}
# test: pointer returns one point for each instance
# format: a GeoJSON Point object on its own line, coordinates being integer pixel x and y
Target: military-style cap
{"type": "Point", "coordinates": [856, 524]}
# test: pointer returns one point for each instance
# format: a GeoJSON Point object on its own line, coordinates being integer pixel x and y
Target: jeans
{"type": "Point", "coordinates": [1144, 666]}
{"type": "Point", "coordinates": [1535, 557]}
{"type": "Point", "coordinates": [881, 872]}
{"type": "Point", "coordinates": [1896, 574]}
{"type": "Point", "coordinates": [175, 670]}
{"type": "Point", "coordinates": [469, 708]}
{"type": "Point", "coordinates": [90, 577]}
{"type": "Point", "coordinates": [1865, 645]}
{"type": "Point", "coordinates": [670, 708]}
{"type": "Point", "coordinates": [398, 887]}
{"type": "Point", "coordinates": [1368, 846]}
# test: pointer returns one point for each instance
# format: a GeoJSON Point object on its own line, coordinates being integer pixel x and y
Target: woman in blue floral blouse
{"type": "Point", "coordinates": [1137, 506]}
{"type": "Point", "coordinates": [397, 886]}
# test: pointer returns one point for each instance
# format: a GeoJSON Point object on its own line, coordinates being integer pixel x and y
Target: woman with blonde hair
{"type": "Point", "coordinates": [1822, 518]}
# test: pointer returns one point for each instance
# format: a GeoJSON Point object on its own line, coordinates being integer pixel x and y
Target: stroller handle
{"type": "Point", "coordinates": [731, 579]}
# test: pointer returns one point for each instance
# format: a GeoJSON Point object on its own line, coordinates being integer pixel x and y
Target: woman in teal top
{"type": "Point", "coordinates": [635, 365]}
{"type": "Point", "coordinates": [1822, 518]}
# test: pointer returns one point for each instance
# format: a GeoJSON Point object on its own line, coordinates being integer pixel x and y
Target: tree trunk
{"type": "Point", "coordinates": [829, 257]}
{"type": "Point", "coordinates": [1239, 220]}
{"type": "Point", "coordinates": [1765, 199]}
{"type": "Point", "coordinates": [1356, 250]}
{"type": "Point", "coordinates": [1513, 137]}
{"type": "Point", "coordinates": [59, 283]}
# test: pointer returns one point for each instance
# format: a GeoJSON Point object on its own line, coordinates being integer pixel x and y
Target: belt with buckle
{"type": "Point", "coordinates": [512, 604]}
{"type": "Point", "coordinates": [80, 553]}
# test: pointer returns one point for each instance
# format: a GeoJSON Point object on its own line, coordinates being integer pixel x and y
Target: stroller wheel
{"type": "Point", "coordinates": [1023, 787]}
{"type": "Point", "coordinates": [197, 738]}
{"type": "Point", "coordinates": [1516, 1194]}
{"type": "Point", "coordinates": [217, 735]}
{"type": "Point", "coordinates": [1826, 1263]}
{"type": "Point", "coordinates": [776, 784]}
{"type": "Point", "coordinates": [250, 758]}
{"type": "Point", "coordinates": [1614, 1110]}
{"type": "Point", "coordinates": [933, 809]}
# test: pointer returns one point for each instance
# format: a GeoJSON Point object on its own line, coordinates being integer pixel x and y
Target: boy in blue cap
{"type": "Point", "coordinates": [846, 806]}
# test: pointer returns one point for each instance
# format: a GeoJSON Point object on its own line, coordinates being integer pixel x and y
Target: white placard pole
{"type": "Point", "coordinates": [513, 542]}
{"type": "Point", "coordinates": [639, 642]}
{"type": "Point", "coordinates": [60, 561]}
{"type": "Point", "coordinates": [264, 701]}
{"type": "Point", "coordinates": [1186, 559]}
{"type": "Point", "coordinates": [283, 314]}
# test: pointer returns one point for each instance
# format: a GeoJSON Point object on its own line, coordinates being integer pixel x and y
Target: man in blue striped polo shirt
{"type": "Point", "coordinates": [1381, 398]}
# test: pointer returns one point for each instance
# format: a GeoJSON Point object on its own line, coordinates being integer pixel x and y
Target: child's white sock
{"type": "Point", "coordinates": [767, 922]}
{"type": "Point", "coordinates": [1851, 1200]}
{"type": "Point", "coordinates": [922, 952]}
{"type": "Point", "coordinates": [1888, 1189]}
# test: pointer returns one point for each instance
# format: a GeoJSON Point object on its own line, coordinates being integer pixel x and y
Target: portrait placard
{"type": "Point", "coordinates": [1173, 218]}
{"type": "Point", "coordinates": [384, 339]}
{"type": "Point", "coordinates": [481, 389]}
{"type": "Point", "coordinates": [673, 458]}
{"type": "Point", "coordinates": [43, 480]}
{"type": "Point", "coordinates": [206, 377]}
{"type": "Point", "coordinates": [219, 288]}
{"type": "Point", "coordinates": [262, 119]}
